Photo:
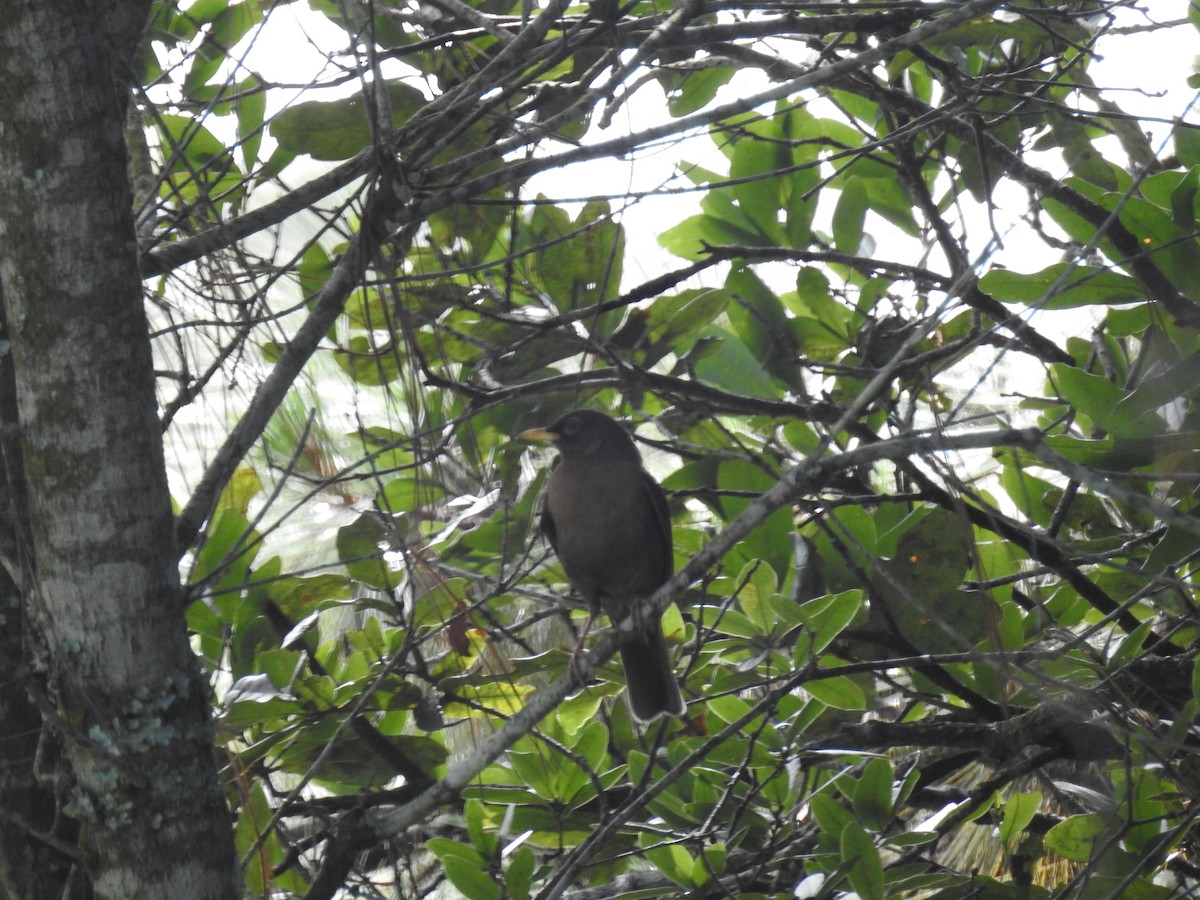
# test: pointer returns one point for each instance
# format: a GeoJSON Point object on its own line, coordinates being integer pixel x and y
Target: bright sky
{"type": "Point", "coordinates": [1144, 72]}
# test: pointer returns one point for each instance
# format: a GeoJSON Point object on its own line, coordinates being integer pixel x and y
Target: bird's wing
{"type": "Point", "coordinates": [548, 529]}
{"type": "Point", "coordinates": [662, 514]}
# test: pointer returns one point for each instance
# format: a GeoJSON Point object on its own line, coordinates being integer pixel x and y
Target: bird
{"type": "Point", "coordinates": [607, 520]}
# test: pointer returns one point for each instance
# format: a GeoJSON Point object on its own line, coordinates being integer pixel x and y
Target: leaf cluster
{"type": "Point", "coordinates": [943, 656]}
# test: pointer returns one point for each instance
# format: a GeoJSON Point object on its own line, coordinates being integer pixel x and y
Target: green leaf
{"type": "Point", "coordinates": [849, 216]}
{"type": "Point", "coordinates": [243, 486]}
{"type": "Point", "coordinates": [771, 541]}
{"type": "Point", "coordinates": [759, 584]}
{"type": "Point", "coordinates": [832, 816]}
{"type": "Point", "coordinates": [228, 549]}
{"type": "Point", "coordinates": [802, 193]}
{"type": "Point", "coordinates": [727, 708]}
{"type": "Point", "coordinates": [1098, 399]}
{"type": "Point", "coordinates": [1019, 811]}
{"type": "Point", "coordinates": [838, 693]}
{"type": "Point", "coordinates": [473, 880]}
{"type": "Point", "coordinates": [226, 28]}
{"type": "Point", "coordinates": [251, 107]}
{"type": "Point", "coordinates": [518, 877]}
{"type": "Point", "coordinates": [672, 859]}
{"type": "Point", "coordinates": [692, 237]}
{"type": "Point", "coordinates": [1183, 199]}
{"type": "Point", "coordinates": [888, 197]}
{"type": "Point", "coordinates": [712, 862]}
{"type": "Point", "coordinates": [481, 839]}
{"type": "Point", "coordinates": [1063, 286]}
{"type": "Point", "coordinates": [677, 319]}
{"type": "Point", "coordinates": [359, 547]}
{"type": "Point", "coordinates": [722, 359]}
{"type": "Point", "coordinates": [579, 711]}
{"type": "Point", "coordinates": [873, 795]}
{"type": "Point", "coordinates": [690, 91]}
{"type": "Point", "coordinates": [1187, 137]}
{"type": "Point", "coordinates": [580, 260]}
{"type": "Point", "coordinates": [338, 129]}
{"type": "Point", "coordinates": [368, 364]}
{"type": "Point", "coordinates": [756, 189]}
{"type": "Point", "coordinates": [199, 166]}
{"type": "Point", "coordinates": [866, 870]}
{"type": "Point", "coordinates": [1074, 838]}
{"type": "Point", "coordinates": [1177, 381]}
{"type": "Point", "coordinates": [826, 617]}
{"type": "Point", "coordinates": [922, 586]}
{"type": "Point", "coordinates": [1171, 247]}
{"type": "Point", "coordinates": [259, 869]}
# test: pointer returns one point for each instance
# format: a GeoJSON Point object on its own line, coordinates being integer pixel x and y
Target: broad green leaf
{"type": "Point", "coordinates": [1187, 138]}
{"type": "Point", "coordinates": [251, 107]}
{"type": "Point", "coordinates": [473, 880]}
{"type": "Point", "coordinates": [580, 259]}
{"type": "Point", "coordinates": [771, 541]}
{"type": "Point", "coordinates": [1075, 837]}
{"type": "Point", "coordinates": [1019, 810]}
{"type": "Point", "coordinates": [838, 693]}
{"type": "Point", "coordinates": [690, 91]}
{"type": "Point", "coordinates": [1098, 399]}
{"type": "Point", "coordinates": [518, 876]}
{"type": "Point", "coordinates": [759, 318]}
{"type": "Point", "coordinates": [338, 129]}
{"type": "Point", "coordinates": [756, 186]}
{"type": "Point", "coordinates": [1177, 381]}
{"type": "Point", "coordinates": [803, 194]}
{"type": "Point", "coordinates": [1172, 248]}
{"type": "Point", "coordinates": [721, 358]}
{"type": "Point", "coordinates": [670, 858]}
{"type": "Point", "coordinates": [1062, 286]}
{"type": "Point", "coordinates": [712, 862]}
{"type": "Point", "coordinates": [849, 216]}
{"type": "Point", "coordinates": [691, 237]}
{"type": "Point", "coordinates": [360, 548]}
{"type": "Point", "coordinates": [230, 545]}
{"type": "Point", "coordinates": [759, 584]}
{"type": "Point", "coordinates": [252, 833]}
{"type": "Point", "coordinates": [888, 197]}
{"type": "Point", "coordinates": [368, 364]}
{"type": "Point", "coordinates": [873, 795]}
{"type": "Point", "coordinates": [831, 815]}
{"type": "Point", "coordinates": [226, 28]}
{"type": "Point", "coordinates": [676, 319]}
{"type": "Point", "coordinates": [866, 870]}
{"type": "Point", "coordinates": [826, 617]}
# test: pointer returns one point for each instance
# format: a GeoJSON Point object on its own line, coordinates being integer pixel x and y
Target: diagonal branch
{"type": "Point", "coordinates": [796, 482]}
{"type": "Point", "coordinates": [327, 306]}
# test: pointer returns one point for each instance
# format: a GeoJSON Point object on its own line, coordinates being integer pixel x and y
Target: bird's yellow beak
{"type": "Point", "coordinates": [538, 436]}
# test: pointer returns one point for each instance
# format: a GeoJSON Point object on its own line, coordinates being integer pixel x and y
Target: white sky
{"type": "Point", "coordinates": [1144, 73]}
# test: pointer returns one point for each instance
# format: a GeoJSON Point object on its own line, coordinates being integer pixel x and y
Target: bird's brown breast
{"type": "Point", "coordinates": [607, 532]}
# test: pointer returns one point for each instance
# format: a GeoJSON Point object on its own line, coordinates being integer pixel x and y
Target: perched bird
{"type": "Point", "coordinates": [607, 520]}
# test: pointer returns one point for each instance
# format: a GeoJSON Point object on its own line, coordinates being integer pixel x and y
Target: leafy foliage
{"type": "Point", "coordinates": [950, 651]}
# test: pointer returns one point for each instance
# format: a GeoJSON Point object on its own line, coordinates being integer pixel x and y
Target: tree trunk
{"type": "Point", "coordinates": [97, 571]}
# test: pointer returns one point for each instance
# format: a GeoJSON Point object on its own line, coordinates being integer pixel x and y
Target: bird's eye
{"type": "Point", "coordinates": [571, 427]}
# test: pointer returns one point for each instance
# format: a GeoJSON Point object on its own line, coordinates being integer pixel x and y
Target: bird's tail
{"type": "Point", "coordinates": [649, 675]}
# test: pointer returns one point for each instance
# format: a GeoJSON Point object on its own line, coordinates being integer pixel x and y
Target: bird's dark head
{"type": "Point", "coordinates": [585, 434]}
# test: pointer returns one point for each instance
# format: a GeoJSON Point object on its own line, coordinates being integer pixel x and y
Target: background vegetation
{"type": "Point", "coordinates": [900, 300]}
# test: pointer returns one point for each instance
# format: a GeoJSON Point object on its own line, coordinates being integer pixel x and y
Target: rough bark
{"type": "Point", "coordinates": [98, 574]}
